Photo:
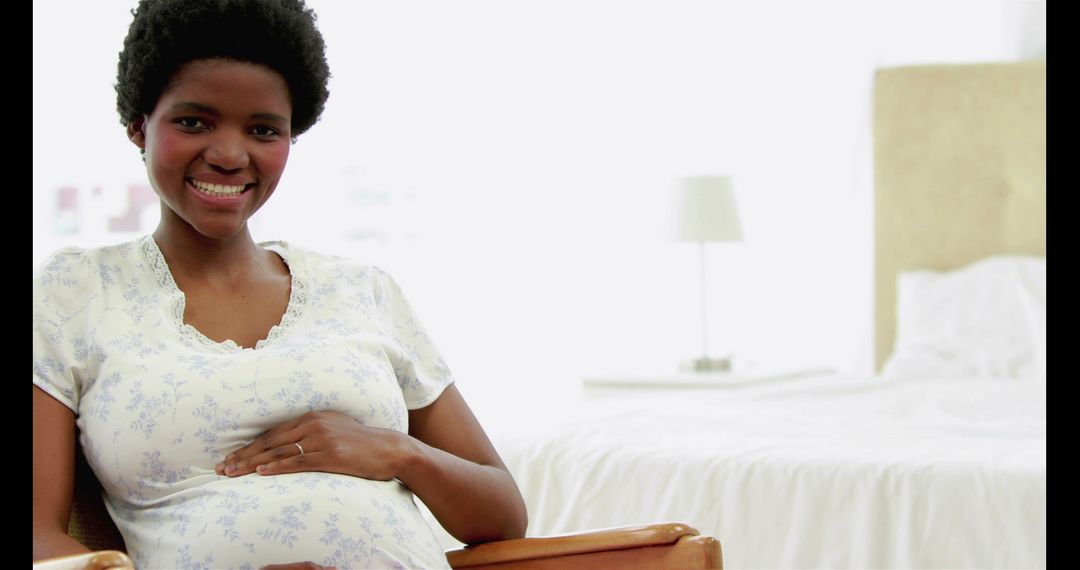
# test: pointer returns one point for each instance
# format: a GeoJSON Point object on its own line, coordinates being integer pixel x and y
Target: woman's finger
{"type": "Point", "coordinates": [277, 453]}
{"type": "Point", "coordinates": [259, 445]}
{"type": "Point", "coordinates": [264, 448]}
{"type": "Point", "coordinates": [295, 464]}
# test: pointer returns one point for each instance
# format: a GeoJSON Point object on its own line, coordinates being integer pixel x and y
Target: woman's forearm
{"type": "Point", "coordinates": [52, 544]}
{"type": "Point", "coordinates": [474, 503]}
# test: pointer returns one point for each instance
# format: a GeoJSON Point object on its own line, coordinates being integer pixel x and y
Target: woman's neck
{"type": "Point", "coordinates": [190, 254]}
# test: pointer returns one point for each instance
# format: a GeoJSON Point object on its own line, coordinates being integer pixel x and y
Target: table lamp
{"type": "Point", "coordinates": [707, 213]}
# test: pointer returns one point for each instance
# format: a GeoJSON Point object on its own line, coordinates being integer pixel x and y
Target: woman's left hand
{"type": "Point", "coordinates": [322, 441]}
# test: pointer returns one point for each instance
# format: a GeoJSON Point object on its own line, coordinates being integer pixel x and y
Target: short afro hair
{"type": "Point", "coordinates": [166, 34]}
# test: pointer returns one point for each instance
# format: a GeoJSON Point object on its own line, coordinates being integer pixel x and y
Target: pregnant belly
{"type": "Point", "coordinates": [250, 521]}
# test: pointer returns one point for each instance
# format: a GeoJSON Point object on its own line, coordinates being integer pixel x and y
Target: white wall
{"type": "Point", "coordinates": [512, 164]}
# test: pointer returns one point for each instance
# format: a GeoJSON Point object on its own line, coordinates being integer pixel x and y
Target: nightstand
{"type": "Point", "coordinates": [748, 377]}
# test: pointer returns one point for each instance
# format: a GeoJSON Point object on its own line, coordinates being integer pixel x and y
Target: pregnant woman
{"type": "Point", "coordinates": [245, 404]}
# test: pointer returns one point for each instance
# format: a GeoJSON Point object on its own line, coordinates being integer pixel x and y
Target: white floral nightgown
{"type": "Point", "coordinates": [158, 404]}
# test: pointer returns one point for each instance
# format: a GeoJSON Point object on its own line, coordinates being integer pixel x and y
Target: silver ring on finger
{"type": "Point", "coordinates": [297, 444]}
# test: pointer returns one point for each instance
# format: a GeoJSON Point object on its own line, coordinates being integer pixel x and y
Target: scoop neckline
{"type": "Point", "coordinates": [297, 297]}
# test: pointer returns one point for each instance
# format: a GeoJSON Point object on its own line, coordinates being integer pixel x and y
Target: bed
{"type": "Point", "coordinates": [936, 461]}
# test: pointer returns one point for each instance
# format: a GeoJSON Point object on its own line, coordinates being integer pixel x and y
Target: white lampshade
{"type": "Point", "coordinates": [707, 210]}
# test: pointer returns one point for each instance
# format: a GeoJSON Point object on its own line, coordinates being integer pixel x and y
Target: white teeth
{"type": "Point", "coordinates": [217, 189]}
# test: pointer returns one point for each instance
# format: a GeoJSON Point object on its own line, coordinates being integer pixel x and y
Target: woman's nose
{"type": "Point", "coordinates": [227, 151]}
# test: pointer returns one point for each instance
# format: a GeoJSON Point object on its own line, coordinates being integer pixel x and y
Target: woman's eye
{"type": "Point", "coordinates": [190, 123]}
{"type": "Point", "coordinates": [264, 131]}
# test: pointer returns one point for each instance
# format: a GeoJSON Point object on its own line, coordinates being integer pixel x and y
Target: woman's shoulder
{"type": "Point", "coordinates": [74, 266]}
{"type": "Point", "coordinates": [328, 265]}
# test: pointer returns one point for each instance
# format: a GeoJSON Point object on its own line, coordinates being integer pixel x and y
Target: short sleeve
{"type": "Point", "coordinates": [63, 290]}
{"type": "Point", "coordinates": [421, 372]}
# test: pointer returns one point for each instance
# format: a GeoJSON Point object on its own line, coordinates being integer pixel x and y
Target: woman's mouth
{"type": "Point", "coordinates": [219, 190]}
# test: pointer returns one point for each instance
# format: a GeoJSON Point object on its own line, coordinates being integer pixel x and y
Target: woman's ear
{"type": "Point", "coordinates": [136, 131]}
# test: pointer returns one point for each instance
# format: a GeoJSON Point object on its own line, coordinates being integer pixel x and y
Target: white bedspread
{"type": "Point", "coordinates": [822, 472]}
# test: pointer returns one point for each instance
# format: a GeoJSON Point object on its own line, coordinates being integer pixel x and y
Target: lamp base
{"type": "Point", "coordinates": [706, 364]}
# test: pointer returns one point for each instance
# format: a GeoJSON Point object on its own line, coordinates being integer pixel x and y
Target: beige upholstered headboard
{"type": "Point", "coordinates": [959, 172]}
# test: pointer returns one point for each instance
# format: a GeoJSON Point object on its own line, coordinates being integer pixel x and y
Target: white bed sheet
{"type": "Point", "coordinates": [824, 472]}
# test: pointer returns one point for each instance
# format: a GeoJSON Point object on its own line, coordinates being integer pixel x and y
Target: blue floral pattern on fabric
{"type": "Point", "coordinates": [158, 405]}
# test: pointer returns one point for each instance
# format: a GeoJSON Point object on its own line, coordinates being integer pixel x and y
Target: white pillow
{"type": "Point", "coordinates": [985, 320]}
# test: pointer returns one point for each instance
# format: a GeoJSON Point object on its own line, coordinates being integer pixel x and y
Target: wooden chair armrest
{"type": "Point", "coordinates": [523, 549]}
{"type": "Point", "coordinates": [101, 560]}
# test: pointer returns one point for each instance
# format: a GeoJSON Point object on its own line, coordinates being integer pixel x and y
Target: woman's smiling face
{"type": "Point", "coordinates": [216, 144]}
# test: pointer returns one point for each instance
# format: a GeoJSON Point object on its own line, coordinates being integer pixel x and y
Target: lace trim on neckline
{"type": "Point", "coordinates": [297, 296]}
